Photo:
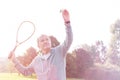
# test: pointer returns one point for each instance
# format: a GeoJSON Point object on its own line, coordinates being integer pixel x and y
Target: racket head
{"type": "Point", "coordinates": [24, 32]}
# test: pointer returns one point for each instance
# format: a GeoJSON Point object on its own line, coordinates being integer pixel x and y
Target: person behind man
{"type": "Point", "coordinates": [50, 63]}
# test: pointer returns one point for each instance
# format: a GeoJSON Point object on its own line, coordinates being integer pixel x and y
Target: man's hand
{"type": "Point", "coordinates": [65, 15]}
{"type": "Point", "coordinates": [12, 55]}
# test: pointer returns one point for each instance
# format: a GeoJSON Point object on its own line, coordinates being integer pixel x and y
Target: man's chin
{"type": "Point", "coordinates": [47, 48]}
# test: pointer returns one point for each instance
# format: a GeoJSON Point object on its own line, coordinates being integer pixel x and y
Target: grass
{"type": "Point", "coordinates": [15, 76]}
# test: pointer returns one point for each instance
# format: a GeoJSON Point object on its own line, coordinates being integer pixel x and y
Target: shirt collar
{"type": "Point", "coordinates": [45, 56]}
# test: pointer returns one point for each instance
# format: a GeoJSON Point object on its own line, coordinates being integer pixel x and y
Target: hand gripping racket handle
{"type": "Point", "coordinates": [12, 53]}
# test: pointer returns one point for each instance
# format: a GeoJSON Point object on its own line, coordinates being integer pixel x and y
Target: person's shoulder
{"type": "Point", "coordinates": [56, 49]}
{"type": "Point", "coordinates": [37, 57]}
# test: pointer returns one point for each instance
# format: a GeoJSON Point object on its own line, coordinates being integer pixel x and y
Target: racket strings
{"type": "Point", "coordinates": [25, 31]}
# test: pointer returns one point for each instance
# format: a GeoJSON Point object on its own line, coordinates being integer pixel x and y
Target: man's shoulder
{"type": "Point", "coordinates": [36, 58]}
{"type": "Point", "coordinates": [55, 48]}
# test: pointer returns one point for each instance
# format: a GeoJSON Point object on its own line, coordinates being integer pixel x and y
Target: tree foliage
{"type": "Point", "coordinates": [115, 43]}
{"type": "Point", "coordinates": [29, 55]}
{"type": "Point", "coordinates": [78, 62]}
{"type": "Point", "coordinates": [54, 41]}
{"type": "Point", "coordinates": [83, 60]}
{"type": "Point", "coordinates": [71, 66]}
{"type": "Point", "coordinates": [101, 51]}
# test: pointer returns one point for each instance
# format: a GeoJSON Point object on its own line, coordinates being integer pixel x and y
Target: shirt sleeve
{"type": "Point", "coordinates": [68, 40]}
{"type": "Point", "coordinates": [22, 69]}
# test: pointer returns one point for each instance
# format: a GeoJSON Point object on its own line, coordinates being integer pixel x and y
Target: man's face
{"type": "Point", "coordinates": [44, 43]}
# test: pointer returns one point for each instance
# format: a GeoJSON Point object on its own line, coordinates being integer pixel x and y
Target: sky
{"type": "Point", "coordinates": [90, 21]}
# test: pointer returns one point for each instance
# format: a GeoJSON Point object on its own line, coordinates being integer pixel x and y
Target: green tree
{"type": "Point", "coordinates": [101, 51]}
{"type": "Point", "coordinates": [54, 41]}
{"type": "Point", "coordinates": [71, 66]}
{"type": "Point", "coordinates": [91, 49]}
{"type": "Point", "coordinates": [114, 51]}
{"type": "Point", "coordinates": [84, 61]}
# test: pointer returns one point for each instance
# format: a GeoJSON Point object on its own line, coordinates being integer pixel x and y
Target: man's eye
{"type": "Point", "coordinates": [41, 40]}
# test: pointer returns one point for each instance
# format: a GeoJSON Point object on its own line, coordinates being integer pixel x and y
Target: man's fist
{"type": "Point", "coordinates": [65, 15]}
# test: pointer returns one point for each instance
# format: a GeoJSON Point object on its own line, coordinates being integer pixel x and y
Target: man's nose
{"type": "Point", "coordinates": [45, 41]}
